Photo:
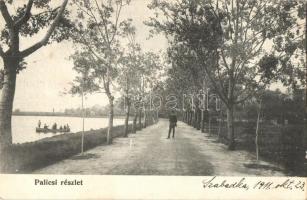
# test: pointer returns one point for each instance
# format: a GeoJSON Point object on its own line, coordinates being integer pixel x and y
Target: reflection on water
{"type": "Point", "coordinates": [23, 127]}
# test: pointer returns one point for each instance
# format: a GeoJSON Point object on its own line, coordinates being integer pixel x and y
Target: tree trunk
{"type": "Point", "coordinates": [202, 123]}
{"type": "Point", "coordinates": [191, 118]}
{"type": "Point", "coordinates": [230, 127]}
{"type": "Point", "coordinates": [257, 132]}
{"type": "Point", "coordinates": [134, 121]}
{"type": "Point", "coordinates": [209, 125]}
{"type": "Point", "coordinates": [152, 114]}
{"type": "Point", "coordinates": [82, 107]}
{"type": "Point", "coordinates": [111, 116]}
{"type": "Point", "coordinates": [151, 118]}
{"type": "Point", "coordinates": [140, 119]}
{"type": "Point", "coordinates": [157, 115]}
{"type": "Point", "coordinates": [145, 118]}
{"type": "Point", "coordinates": [6, 108]}
{"type": "Point", "coordinates": [220, 125]}
{"type": "Point", "coordinates": [127, 118]}
{"type": "Point", "coordinates": [198, 119]}
{"type": "Point", "coordinates": [187, 117]}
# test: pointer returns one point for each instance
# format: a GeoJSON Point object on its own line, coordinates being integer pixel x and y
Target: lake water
{"type": "Point", "coordinates": [23, 127]}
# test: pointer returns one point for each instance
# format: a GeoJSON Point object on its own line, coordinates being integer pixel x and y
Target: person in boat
{"type": "Point", "coordinates": [54, 127]}
{"type": "Point", "coordinates": [67, 128]}
{"type": "Point", "coordinates": [45, 126]}
{"type": "Point", "coordinates": [39, 123]}
{"type": "Point", "coordinates": [61, 128]}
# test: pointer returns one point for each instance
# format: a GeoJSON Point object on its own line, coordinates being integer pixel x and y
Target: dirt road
{"type": "Point", "coordinates": [148, 152]}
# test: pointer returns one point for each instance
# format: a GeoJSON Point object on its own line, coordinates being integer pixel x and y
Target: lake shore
{"type": "Point", "coordinates": [26, 157]}
{"type": "Point", "coordinates": [50, 114]}
{"type": "Point", "coordinates": [24, 127]}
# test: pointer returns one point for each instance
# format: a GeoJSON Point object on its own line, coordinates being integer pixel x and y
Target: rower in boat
{"type": "Point", "coordinates": [67, 128]}
{"type": "Point", "coordinates": [42, 130]}
{"type": "Point", "coordinates": [54, 127]}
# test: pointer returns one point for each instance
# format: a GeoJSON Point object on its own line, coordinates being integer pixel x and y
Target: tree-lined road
{"type": "Point", "coordinates": [148, 152]}
{"type": "Point", "coordinates": [231, 52]}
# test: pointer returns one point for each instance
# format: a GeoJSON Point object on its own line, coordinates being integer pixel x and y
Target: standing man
{"type": "Point", "coordinates": [172, 123]}
{"type": "Point", "coordinates": [39, 123]}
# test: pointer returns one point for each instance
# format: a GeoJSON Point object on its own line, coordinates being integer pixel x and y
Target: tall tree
{"type": "Point", "coordinates": [98, 31]}
{"type": "Point", "coordinates": [18, 26]}
{"type": "Point", "coordinates": [151, 67]}
{"type": "Point", "coordinates": [83, 83]}
{"type": "Point", "coordinates": [129, 68]}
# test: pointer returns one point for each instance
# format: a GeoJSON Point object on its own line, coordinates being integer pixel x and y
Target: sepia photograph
{"type": "Point", "coordinates": [179, 88]}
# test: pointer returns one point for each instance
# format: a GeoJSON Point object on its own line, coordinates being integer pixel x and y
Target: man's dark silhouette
{"type": "Point", "coordinates": [172, 124]}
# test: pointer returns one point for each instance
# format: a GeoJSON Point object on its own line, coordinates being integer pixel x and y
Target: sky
{"type": "Point", "coordinates": [41, 85]}
{"type": "Point", "coordinates": [49, 72]}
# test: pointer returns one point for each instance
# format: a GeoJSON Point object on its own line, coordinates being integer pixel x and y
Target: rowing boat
{"type": "Point", "coordinates": [47, 130]}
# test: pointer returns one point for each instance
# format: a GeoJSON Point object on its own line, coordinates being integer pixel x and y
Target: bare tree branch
{"type": "Point", "coordinates": [90, 48]}
{"type": "Point", "coordinates": [82, 9]}
{"type": "Point", "coordinates": [224, 59]}
{"type": "Point", "coordinates": [45, 40]}
{"type": "Point", "coordinates": [116, 20]}
{"type": "Point", "coordinates": [26, 16]}
{"type": "Point", "coordinates": [229, 18]}
{"type": "Point", "coordinates": [47, 11]}
{"type": "Point", "coordinates": [92, 15]}
{"type": "Point", "coordinates": [6, 15]}
{"type": "Point", "coordinates": [104, 25]}
{"type": "Point", "coordinates": [250, 20]}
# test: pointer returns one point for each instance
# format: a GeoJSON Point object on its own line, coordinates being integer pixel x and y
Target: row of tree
{"type": "Point", "coordinates": [107, 58]}
{"type": "Point", "coordinates": [233, 48]}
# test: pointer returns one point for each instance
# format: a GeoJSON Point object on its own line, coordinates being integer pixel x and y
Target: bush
{"type": "Point", "coordinates": [293, 151]}
{"type": "Point", "coordinates": [281, 144]}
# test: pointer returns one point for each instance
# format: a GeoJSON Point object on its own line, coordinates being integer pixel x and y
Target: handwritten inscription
{"type": "Point", "coordinates": [212, 183]}
{"type": "Point", "coordinates": [242, 183]}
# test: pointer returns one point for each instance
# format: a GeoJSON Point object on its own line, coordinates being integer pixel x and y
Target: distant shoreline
{"type": "Point", "coordinates": [45, 114]}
